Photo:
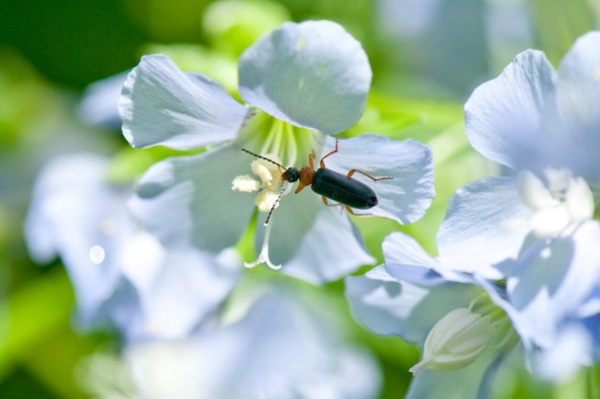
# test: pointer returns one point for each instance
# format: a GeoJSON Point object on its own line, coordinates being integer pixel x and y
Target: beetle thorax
{"type": "Point", "coordinates": [307, 175]}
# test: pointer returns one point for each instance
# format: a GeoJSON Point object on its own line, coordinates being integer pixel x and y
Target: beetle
{"type": "Point", "coordinates": [344, 189]}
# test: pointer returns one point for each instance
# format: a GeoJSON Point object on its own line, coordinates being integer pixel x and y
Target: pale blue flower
{"type": "Point", "coordinates": [542, 126]}
{"type": "Point", "coordinates": [414, 297]}
{"type": "Point", "coordinates": [280, 347]}
{"type": "Point", "coordinates": [534, 229]}
{"type": "Point", "coordinates": [121, 275]}
{"type": "Point", "coordinates": [300, 82]}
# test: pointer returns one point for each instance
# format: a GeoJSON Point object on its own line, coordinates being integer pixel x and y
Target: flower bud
{"type": "Point", "coordinates": [456, 340]}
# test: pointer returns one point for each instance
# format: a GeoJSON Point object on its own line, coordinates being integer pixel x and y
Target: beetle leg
{"type": "Point", "coordinates": [324, 198]}
{"type": "Point", "coordinates": [299, 188]}
{"type": "Point", "coordinates": [311, 158]}
{"type": "Point", "coordinates": [336, 204]}
{"type": "Point", "coordinates": [322, 164]}
{"type": "Point", "coordinates": [357, 214]}
{"type": "Point", "coordinates": [350, 210]}
{"type": "Point", "coordinates": [368, 175]}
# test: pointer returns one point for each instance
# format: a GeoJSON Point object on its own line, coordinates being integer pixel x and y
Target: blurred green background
{"type": "Point", "coordinates": [426, 58]}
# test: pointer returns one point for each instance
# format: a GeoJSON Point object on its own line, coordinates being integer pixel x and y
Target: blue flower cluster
{"type": "Point", "coordinates": [516, 281]}
{"type": "Point", "coordinates": [518, 271]}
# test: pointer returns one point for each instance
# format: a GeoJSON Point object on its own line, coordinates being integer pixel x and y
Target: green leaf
{"type": "Point", "coordinates": [31, 313]}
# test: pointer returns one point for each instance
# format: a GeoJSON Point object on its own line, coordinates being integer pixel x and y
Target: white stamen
{"type": "Point", "coordinates": [260, 169]}
{"type": "Point", "coordinates": [550, 221]}
{"type": "Point", "coordinates": [580, 200]}
{"type": "Point", "coordinates": [245, 184]}
{"type": "Point", "coordinates": [563, 200]}
{"type": "Point", "coordinates": [268, 172]}
{"type": "Point", "coordinates": [263, 257]}
{"type": "Point", "coordinates": [266, 199]}
{"type": "Point", "coordinates": [270, 178]}
{"type": "Point", "coordinates": [533, 192]}
{"type": "Point", "coordinates": [558, 179]}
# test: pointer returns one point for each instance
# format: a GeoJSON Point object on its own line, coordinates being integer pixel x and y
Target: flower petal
{"type": "Point", "coordinates": [160, 105]}
{"type": "Point", "coordinates": [578, 96]}
{"type": "Point", "coordinates": [178, 288]}
{"type": "Point", "coordinates": [549, 282]}
{"type": "Point", "coordinates": [76, 215]}
{"type": "Point", "coordinates": [486, 222]}
{"type": "Point", "coordinates": [406, 260]}
{"type": "Point", "coordinates": [188, 200]}
{"type": "Point", "coordinates": [508, 117]}
{"type": "Point", "coordinates": [401, 248]}
{"type": "Point", "coordinates": [382, 303]}
{"type": "Point", "coordinates": [288, 352]}
{"type": "Point", "coordinates": [476, 380]}
{"type": "Point", "coordinates": [572, 350]}
{"type": "Point", "coordinates": [389, 306]}
{"type": "Point", "coordinates": [319, 246]}
{"type": "Point", "coordinates": [408, 194]}
{"type": "Point", "coordinates": [578, 84]}
{"type": "Point", "coordinates": [312, 74]}
{"type": "Point", "coordinates": [190, 287]}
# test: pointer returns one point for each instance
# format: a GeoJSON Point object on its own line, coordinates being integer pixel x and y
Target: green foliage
{"type": "Point", "coordinates": [32, 314]}
{"type": "Point", "coordinates": [233, 25]}
{"type": "Point", "coordinates": [559, 22]}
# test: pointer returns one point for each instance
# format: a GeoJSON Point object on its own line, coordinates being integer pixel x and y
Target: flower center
{"type": "Point", "coordinates": [264, 134]}
{"type": "Point", "coordinates": [556, 203]}
{"type": "Point", "coordinates": [275, 144]}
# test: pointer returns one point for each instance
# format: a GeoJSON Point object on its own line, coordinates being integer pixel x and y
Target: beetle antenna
{"type": "Point", "coordinates": [265, 158]}
{"type": "Point", "coordinates": [275, 203]}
